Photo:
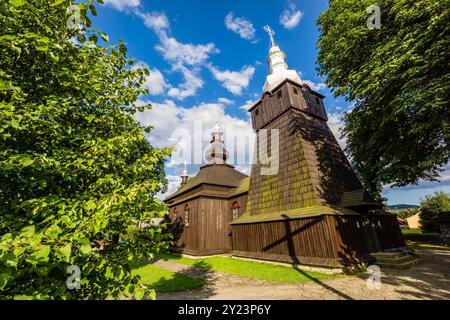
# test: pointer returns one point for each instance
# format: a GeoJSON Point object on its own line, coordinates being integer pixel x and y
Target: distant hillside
{"type": "Point", "coordinates": [401, 206]}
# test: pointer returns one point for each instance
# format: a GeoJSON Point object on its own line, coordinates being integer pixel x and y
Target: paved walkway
{"type": "Point", "coordinates": [429, 280]}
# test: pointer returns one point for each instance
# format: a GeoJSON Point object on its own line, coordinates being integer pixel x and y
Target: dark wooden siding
{"type": "Point", "coordinates": [186, 237]}
{"type": "Point", "coordinates": [288, 95]}
{"type": "Point", "coordinates": [350, 240]}
{"type": "Point", "coordinates": [213, 227]}
{"type": "Point", "coordinates": [323, 240]}
{"type": "Point", "coordinates": [388, 231]}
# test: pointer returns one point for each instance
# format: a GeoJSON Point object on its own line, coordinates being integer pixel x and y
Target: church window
{"type": "Point", "coordinates": [256, 112]}
{"type": "Point", "coordinates": [175, 214]}
{"type": "Point", "coordinates": [317, 100]}
{"type": "Point", "coordinates": [187, 213]}
{"type": "Point", "coordinates": [295, 90]}
{"type": "Point", "coordinates": [235, 210]}
{"type": "Point", "coordinates": [279, 93]}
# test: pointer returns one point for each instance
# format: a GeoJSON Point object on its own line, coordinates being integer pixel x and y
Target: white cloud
{"type": "Point", "coordinates": [225, 101]}
{"type": "Point", "coordinates": [173, 182]}
{"type": "Point", "coordinates": [443, 180]}
{"type": "Point", "coordinates": [184, 53]}
{"type": "Point", "coordinates": [192, 83]}
{"type": "Point", "coordinates": [244, 28]}
{"type": "Point", "coordinates": [164, 117]}
{"type": "Point", "coordinates": [122, 4]}
{"type": "Point", "coordinates": [291, 16]}
{"type": "Point", "coordinates": [445, 175]}
{"type": "Point", "coordinates": [336, 124]}
{"type": "Point", "coordinates": [248, 104]}
{"type": "Point", "coordinates": [155, 82]}
{"type": "Point", "coordinates": [154, 20]}
{"type": "Point", "coordinates": [167, 117]}
{"type": "Point", "coordinates": [234, 81]}
{"type": "Point", "coordinates": [316, 86]}
{"type": "Point", "coordinates": [186, 58]}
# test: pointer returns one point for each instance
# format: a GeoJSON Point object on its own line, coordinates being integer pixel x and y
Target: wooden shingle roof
{"type": "Point", "coordinates": [212, 174]}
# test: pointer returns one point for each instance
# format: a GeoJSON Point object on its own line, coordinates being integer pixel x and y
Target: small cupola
{"type": "Point", "coordinates": [217, 154]}
{"type": "Point", "coordinates": [184, 176]}
{"type": "Point", "coordinates": [278, 68]}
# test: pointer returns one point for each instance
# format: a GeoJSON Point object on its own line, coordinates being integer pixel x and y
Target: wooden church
{"type": "Point", "coordinates": [313, 210]}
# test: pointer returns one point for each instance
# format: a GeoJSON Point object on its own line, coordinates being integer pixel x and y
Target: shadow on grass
{"type": "Point", "coordinates": [178, 282]}
{"type": "Point", "coordinates": [193, 282]}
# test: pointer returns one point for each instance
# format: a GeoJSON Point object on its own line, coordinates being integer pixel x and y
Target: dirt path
{"type": "Point", "coordinates": [429, 280]}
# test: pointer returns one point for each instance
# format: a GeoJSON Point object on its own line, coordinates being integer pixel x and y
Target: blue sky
{"type": "Point", "coordinates": [208, 62]}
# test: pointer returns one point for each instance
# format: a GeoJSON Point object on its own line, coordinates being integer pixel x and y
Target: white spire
{"type": "Point", "coordinates": [278, 71]}
{"type": "Point", "coordinates": [184, 176]}
{"type": "Point", "coordinates": [216, 154]}
{"type": "Point", "coordinates": [217, 127]}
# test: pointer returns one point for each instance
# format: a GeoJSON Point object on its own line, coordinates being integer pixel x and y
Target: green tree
{"type": "Point", "coordinates": [430, 207]}
{"type": "Point", "coordinates": [75, 167]}
{"type": "Point", "coordinates": [398, 76]}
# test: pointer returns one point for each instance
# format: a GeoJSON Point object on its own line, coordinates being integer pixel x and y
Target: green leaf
{"type": "Point", "coordinates": [93, 9]}
{"type": "Point", "coordinates": [66, 219]}
{"type": "Point", "coordinates": [57, 2]}
{"type": "Point", "coordinates": [42, 48]}
{"type": "Point", "coordinates": [4, 277]}
{"type": "Point", "coordinates": [93, 38]}
{"type": "Point", "coordinates": [25, 162]}
{"type": "Point", "coordinates": [17, 3]}
{"type": "Point", "coordinates": [64, 252]}
{"type": "Point", "coordinates": [27, 232]}
{"type": "Point", "coordinates": [39, 256]}
{"type": "Point", "coordinates": [105, 37]}
{"type": "Point", "coordinates": [85, 249]}
{"type": "Point", "coordinates": [90, 205]}
{"type": "Point", "coordinates": [139, 293]}
{"type": "Point", "coordinates": [123, 49]}
{"type": "Point", "coordinates": [14, 123]}
{"type": "Point", "coordinates": [10, 260]}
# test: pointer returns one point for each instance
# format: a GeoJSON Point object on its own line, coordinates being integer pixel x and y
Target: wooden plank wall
{"type": "Point", "coordinates": [273, 105]}
{"type": "Point", "coordinates": [324, 237]}
{"type": "Point", "coordinates": [209, 231]}
{"type": "Point", "coordinates": [214, 230]}
{"type": "Point", "coordinates": [188, 236]}
{"type": "Point", "coordinates": [350, 240]}
{"type": "Point", "coordinates": [270, 107]}
{"type": "Point", "coordinates": [388, 231]}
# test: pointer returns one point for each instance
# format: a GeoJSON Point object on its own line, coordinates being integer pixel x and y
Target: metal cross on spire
{"type": "Point", "coordinates": [271, 33]}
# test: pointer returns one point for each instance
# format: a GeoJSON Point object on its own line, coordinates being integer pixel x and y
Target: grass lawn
{"type": "Point", "coordinates": [250, 269]}
{"type": "Point", "coordinates": [417, 240]}
{"type": "Point", "coordinates": [166, 281]}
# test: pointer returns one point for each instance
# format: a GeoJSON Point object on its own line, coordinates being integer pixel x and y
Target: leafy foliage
{"type": "Point", "coordinates": [75, 167]}
{"type": "Point", "coordinates": [430, 207]}
{"type": "Point", "coordinates": [398, 131]}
